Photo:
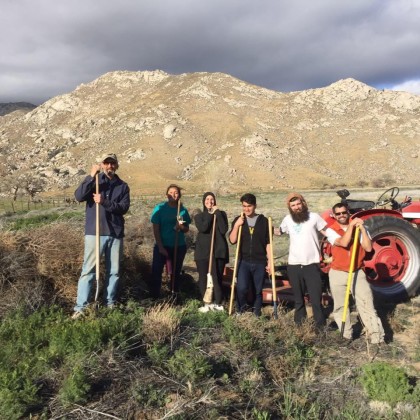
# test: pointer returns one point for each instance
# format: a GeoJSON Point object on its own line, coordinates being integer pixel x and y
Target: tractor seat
{"type": "Point", "coordinates": [358, 205]}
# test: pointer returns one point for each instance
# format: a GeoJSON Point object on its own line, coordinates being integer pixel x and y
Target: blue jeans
{"type": "Point", "coordinates": [250, 273]}
{"type": "Point", "coordinates": [112, 248]}
{"type": "Point", "coordinates": [159, 262]}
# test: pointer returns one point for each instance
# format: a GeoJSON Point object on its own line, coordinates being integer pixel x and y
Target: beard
{"type": "Point", "coordinates": [301, 216]}
{"type": "Point", "coordinates": [110, 173]}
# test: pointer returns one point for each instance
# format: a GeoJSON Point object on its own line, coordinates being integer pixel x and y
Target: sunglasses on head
{"type": "Point", "coordinates": [341, 213]}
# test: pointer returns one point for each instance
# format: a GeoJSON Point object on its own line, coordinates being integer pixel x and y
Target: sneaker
{"type": "Point", "coordinates": [77, 315]}
{"type": "Point", "coordinates": [205, 308]}
{"type": "Point", "coordinates": [218, 307]}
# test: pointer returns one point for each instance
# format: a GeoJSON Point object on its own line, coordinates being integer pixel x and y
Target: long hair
{"type": "Point", "coordinates": [177, 187]}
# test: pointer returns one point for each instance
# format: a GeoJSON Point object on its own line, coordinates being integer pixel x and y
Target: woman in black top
{"type": "Point", "coordinates": [204, 223]}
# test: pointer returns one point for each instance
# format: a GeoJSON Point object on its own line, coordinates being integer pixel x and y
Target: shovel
{"type": "Point", "coordinates": [208, 295]}
{"type": "Point", "coordinates": [235, 269]}
{"type": "Point", "coordinates": [97, 243]}
{"type": "Point", "coordinates": [273, 275]}
{"type": "Point", "coordinates": [175, 251]}
{"type": "Point", "coordinates": [351, 269]}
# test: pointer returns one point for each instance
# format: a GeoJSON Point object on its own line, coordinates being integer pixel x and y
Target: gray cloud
{"type": "Point", "coordinates": [50, 47]}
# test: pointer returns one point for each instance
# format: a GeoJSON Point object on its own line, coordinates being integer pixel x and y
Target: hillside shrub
{"type": "Point", "coordinates": [290, 360]}
{"type": "Point", "coordinates": [296, 404]}
{"type": "Point", "coordinates": [158, 355]}
{"type": "Point", "coordinates": [18, 392]}
{"type": "Point", "coordinates": [237, 335]}
{"type": "Point", "coordinates": [189, 364]}
{"type": "Point", "coordinates": [384, 382]}
{"type": "Point", "coordinates": [46, 345]}
{"type": "Point", "coordinates": [75, 387]}
{"type": "Point", "coordinates": [148, 395]}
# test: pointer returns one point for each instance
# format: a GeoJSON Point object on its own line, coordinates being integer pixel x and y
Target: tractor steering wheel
{"type": "Point", "coordinates": [383, 199]}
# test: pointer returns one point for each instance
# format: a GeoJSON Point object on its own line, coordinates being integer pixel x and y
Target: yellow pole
{"type": "Point", "coordinates": [351, 269]}
{"type": "Point", "coordinates": [235, 269]}
{"type": "Point", "coordinates": [273, 274]}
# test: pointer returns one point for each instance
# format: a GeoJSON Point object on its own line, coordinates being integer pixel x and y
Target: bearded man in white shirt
{"type": "Point", "coordinates": [303, 268]}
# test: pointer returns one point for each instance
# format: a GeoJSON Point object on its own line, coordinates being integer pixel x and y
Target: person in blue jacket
{"type": "Point", "coordinates": [165, 227]}
{"type": "Point", "coordinates": [114, 202]}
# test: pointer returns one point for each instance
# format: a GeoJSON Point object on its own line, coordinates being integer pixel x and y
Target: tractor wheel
{"type": "Point", "coordinates": [393, 266]}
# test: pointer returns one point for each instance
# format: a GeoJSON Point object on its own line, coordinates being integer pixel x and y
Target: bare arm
{"type": "Point", "coordinates": [158, 239]}
{"type": "Point", "coordinates": [366, 241]}
{"type": "Point", "coordinates": [344, 241]}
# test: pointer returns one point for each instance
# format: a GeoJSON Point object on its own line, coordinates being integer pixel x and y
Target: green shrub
{"type": "Point", "coordinates": [384, 382]}
{"type": "Point", "coordinates": [195, 319]}
{"type": "Point", "coordinates": [260, 414]}
{"type": "Point", "coordinates": [17, 393]}
{"type": "Point", "coordinates": [43, 219]}
{"type": "Point", "coordinates": [75, 387]}
{"type": "Point", "coordinates": [297, 405]}
{"type": "Point", "coordinates": [148, 395]}
{"type": "Point", "coordinates": [39, 346]}
{"type": "Point", "coordinates": [188, 364]}
{"type": "Point", "coordinates": [238, 336]}
{"type": "Point", "coordinates": [158, 354]}
{"type": "Point", "coordinates": [298, 354]}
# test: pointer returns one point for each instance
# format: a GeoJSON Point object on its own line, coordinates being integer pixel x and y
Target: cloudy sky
{"type": "Point", "coordinates": [49, 47]}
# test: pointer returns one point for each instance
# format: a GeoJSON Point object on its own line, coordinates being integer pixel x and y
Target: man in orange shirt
{"type": "Point", "coordinates": [340, 235]}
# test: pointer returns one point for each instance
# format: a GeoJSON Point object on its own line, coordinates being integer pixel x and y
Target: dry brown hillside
{"type": "Point", "coordinates": [210, 130]}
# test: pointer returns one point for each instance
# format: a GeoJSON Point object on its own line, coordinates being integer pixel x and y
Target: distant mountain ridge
{"type": "Point", "coordinates": [7, 108]}
{"type": "Point", "coordinates": [213, 131]}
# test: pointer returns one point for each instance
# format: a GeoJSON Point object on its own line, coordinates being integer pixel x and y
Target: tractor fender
{"type": "Point", "coordinates": [366, 214]}
{"type": "Point", "coordinates": [412, 212]}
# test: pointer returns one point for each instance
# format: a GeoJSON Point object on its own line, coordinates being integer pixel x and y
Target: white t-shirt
{"type": "Point", "coordinates": [304, 242]}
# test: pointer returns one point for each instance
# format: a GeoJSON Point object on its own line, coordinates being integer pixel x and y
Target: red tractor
{"type": "Point", "coordinates": [393, 266]}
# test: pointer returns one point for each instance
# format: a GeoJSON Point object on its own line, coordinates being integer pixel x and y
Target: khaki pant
{"type": "Point", "coordinates": [362, 294]}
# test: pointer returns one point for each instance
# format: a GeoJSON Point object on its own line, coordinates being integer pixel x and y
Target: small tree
{"type": "Point", "coordinates": [33, 185]}
{"type": "Point", "coordinates": [20, 184]}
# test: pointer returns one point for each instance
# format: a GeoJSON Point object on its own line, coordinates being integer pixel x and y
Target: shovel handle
{"type": "Point", "coordinates": [235, 269]}
{"type": "Point", "coordinates": [351, 270]}
{"type": "Point", "coordinates": [97, 239]}
{"type": "Point", "coordinates": [175, 249]}
{"type": "Point", "coordinates": [273, 274]}
{"type": "Point", "coordinates": [212, 243]}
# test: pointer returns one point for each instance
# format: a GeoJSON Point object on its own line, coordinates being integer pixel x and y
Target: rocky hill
{"type": "Point", "coordinates": [212, 131]}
